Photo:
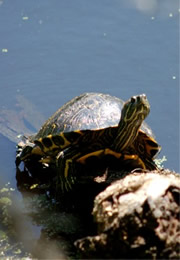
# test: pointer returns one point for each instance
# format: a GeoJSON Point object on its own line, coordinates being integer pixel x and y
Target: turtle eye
{"type": "Point", "coordinates": [133, 99]}
{"type": "Point", "coordinates": [138, 99]}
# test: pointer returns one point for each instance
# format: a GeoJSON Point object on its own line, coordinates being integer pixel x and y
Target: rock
{"type": "Point", "coordinates": [137, 218]}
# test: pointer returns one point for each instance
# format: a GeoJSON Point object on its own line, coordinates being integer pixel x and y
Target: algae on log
{"type": "Point", "coordinates": [137, 218]}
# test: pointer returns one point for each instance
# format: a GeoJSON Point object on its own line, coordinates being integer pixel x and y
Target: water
{"type": "Point", "coordinates": [51, 51]}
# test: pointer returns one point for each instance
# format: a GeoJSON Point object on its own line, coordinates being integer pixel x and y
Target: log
{"type": "Point", "coordinates": [137, 217]}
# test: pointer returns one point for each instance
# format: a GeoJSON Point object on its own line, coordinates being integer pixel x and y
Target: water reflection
{"type": "Point", "coordinates": [20, 237]}
{"type": "Point", "coordinates": [164, 8]}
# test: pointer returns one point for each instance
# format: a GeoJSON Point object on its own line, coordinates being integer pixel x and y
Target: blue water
{"type": "Point", "coordinates": [51, 51]}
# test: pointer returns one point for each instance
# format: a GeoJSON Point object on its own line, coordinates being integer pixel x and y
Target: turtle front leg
{"type": "Point", "coordinates": [66, 170]}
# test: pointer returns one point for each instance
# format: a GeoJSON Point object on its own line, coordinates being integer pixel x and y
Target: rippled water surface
{"type": "Point", "coordinates": [51, 51]}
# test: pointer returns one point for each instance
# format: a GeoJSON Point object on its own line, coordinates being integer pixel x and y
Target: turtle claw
{"type": "Point", "coordinates": [65, 184]}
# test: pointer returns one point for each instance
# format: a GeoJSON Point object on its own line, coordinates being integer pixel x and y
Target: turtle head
{"type": "Point", "coordinates": [134, 111]}
{"type": "Point", "coordinates": [26, 152]}
{"type": "Point", "coordinates": [22, 154]}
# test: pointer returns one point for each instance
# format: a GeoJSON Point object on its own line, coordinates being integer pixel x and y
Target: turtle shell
{"type": "Point", "coordinates": [63, 139]}
{"type": "Point", "coordinates": [91, 111]}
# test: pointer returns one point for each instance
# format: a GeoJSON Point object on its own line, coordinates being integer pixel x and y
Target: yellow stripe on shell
{"type": "Point", "coordinates": [108, 151]}
{"type": "Point", "coordinates": [54, 146]}
{"type": "Point", "coordinates": [99, 153]}
{"type": "Point", "coordinates": [134, 157]}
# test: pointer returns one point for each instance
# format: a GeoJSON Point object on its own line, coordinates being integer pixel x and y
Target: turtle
{"type": "Point", "coordinates": [93, 125]}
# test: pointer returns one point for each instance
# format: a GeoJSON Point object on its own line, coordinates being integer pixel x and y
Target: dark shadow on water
{"type": "Point", "coordinates": [7, 161]}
